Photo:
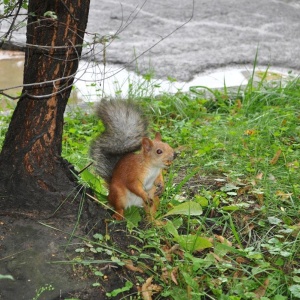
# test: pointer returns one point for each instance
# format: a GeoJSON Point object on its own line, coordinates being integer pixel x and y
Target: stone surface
{"type": "Point", "coordinates": [220, 33]}
{"type": "Point", "coordinates": [182, 39]}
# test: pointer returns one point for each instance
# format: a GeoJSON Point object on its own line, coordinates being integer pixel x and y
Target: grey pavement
{"type": "Point", "coordinates": [184, 38]}
{"type": "Point", "coordinates": [221, 33]}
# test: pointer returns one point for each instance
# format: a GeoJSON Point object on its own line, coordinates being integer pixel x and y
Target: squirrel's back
{"type": "Point", "coordinates": [125, 126]}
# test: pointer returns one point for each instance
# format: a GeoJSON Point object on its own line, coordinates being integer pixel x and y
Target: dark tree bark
{"type": "Point", "coordinates": [33, 175]}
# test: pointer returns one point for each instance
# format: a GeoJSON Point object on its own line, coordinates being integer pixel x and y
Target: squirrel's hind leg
{"type": "Point", "coordinates": [119, 214]}
{"type": "Point", "coordinates": [117, 199]}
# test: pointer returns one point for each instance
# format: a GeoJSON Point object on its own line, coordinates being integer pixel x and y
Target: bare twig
{"type": "Point", "coordinates": [20, 3]}
{"type": "Point", "coordinates": [105, 41]}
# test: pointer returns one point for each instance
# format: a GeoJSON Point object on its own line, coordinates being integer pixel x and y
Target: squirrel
{"type": "Point", "coordinates": [129, 161]}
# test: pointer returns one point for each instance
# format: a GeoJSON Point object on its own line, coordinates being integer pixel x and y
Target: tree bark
{"type": "Point", "coordinates": [33, 175]}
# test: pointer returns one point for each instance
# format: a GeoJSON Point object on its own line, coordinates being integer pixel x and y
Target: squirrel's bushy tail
{"type": "Point", "coordinates": [125, 127]}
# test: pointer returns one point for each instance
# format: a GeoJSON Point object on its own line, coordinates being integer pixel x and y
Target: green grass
{"type": "Point", "coordinates": [239, 167]}
{"type": "Point", "coordinates": [232, 197]}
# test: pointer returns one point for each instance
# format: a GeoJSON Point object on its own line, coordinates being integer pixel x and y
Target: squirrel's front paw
{"type": "Point", "coordinates": [159, 189]}
{"type": "Point", "coordinates": [149, 201]}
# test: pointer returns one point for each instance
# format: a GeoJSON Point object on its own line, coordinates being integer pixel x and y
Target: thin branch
{"type": "Point", "coordinates": [123, 26]}
{"type": "Point", "coordinates": [66, 7]}
{"type": "Point", "coordinates": [20, 3]}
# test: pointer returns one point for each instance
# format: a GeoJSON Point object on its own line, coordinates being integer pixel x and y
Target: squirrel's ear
{"type": "Point", "coordinates": [147, 144]}
{"type": "Point", "coordinates": [158, 136]}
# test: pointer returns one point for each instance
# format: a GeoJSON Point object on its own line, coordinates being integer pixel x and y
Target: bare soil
{"type": "Point", "coordinates": [33, 250]}
{"type": "Point", "coordinates": [38, 251]}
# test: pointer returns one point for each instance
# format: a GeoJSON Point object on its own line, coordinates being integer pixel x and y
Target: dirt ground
{"type": "Point", "coordinates": [226, 33]}
{"type": "Point", "coordinates": [34, 250]}
{"type": "Point", "coordinates": [38, 252]}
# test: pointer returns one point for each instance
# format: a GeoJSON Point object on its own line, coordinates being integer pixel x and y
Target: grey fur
{"type": "Point", "coordinates": [125, 126]}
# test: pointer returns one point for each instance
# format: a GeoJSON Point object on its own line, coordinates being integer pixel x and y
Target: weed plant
{"type": "Point", "coordinates": [231, 204]}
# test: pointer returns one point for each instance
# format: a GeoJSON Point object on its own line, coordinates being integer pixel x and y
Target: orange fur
{"type": "Point", "coordinates": [137, 177]}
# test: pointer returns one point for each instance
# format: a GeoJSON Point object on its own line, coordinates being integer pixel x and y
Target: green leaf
{"type": "Point", "coordinates": [231, 193]}
{"type": "Point", "coordinates": [170, 228]}
{"type": "Point", "coordinates": [187, 208]}
{"type": "Point", "coordinates": [230, 208]}
{"type": "Point", "coordinates": [96, 284]}
{"type": "Point", "coordinates": [198, 263]}
{"type": "Point", "coordinates": [296, 279]}
{"type": "Point", "coordinates": [274, 221]}
{"type": "Point", "coordinates": [190, 281]}
{"type": "Point", "coordinates": [98, 236]}
{"type": "Point", "coordinates": [114, 293]}
{"type": "Point", "coordinates": [133, 217]}
{"type": "Point", "coordinates": [285, 253]}
{"type": "Point", "coordinates": [295, 290]}
{"type": "Point", "coordinates": [201, 200]}
{"type": "Point", "coordinates": [222, 249]}
{"type": "Point", "coordinates": [6, 277]}
{"type": "Point", "coordinates": [229, 187]}
{"type": "Point", "coordinates": [79, 250]}
{"type": "Point", "coordinates": [175, 293]}
{"type": "Point", "coordinates": [50, 14]}
{"type": "Point", "coordinates": [280, 297]}
{"type": "Point", "coordinates": [193, 242]}
{"type": "Point", "coordinates": [92, 180]}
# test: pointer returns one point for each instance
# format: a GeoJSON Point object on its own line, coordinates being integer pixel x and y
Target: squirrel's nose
{"type": "Point", "coordinates": [175, 154]}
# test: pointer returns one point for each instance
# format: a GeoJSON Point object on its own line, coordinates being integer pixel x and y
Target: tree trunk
{"type": "Point", "coordinates": [33, 175]}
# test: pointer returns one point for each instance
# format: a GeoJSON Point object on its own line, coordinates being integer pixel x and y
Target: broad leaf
{"type": "Point", "coordinates": [295, 290]}
{"type": "Point", "coordinates": [187, 208]}
{"type": "Point", "coordinates": [193, 242]}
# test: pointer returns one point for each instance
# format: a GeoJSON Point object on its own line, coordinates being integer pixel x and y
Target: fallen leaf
{"type": "Point", "coordinates": [189, 292]}
{"type": "Point", "coordinates": [242, 260]}
{"type": "Point", "coordinates": [168, 255]}
{"type": "Point", "coordinates": [253, 182]}
{"type": "Point", "coordinates": [174, 274]}
{"type": "Point", "coordinates": [260, 197]}
{"type": "Point", "coordinates": [217, 257]}
{"type": "Point", "coordinates": [148, 289]}
{"type": "Point", "coordinates": [275, 158]}
{"type": "Point", "coordinates": [170, 274]}
{"type": "Point", "coordinates": [244, 190]}
{"type": "Point", "coordinates": [238, 104]}
{"type": "Point", "coordinates": [238, 274]}
{"type": "Point", "coordinates": [260, 292]}
{"type": "Point", "coordinates": [250, 132]}
{"type": "Point", "coordinates": [222, 240]}
{"type": "Point", "coordinates": [129, 265]}
{"type": "Point", "coordinates": [283, 195]}
{"type": "Point", "coordinates": [248, 228]}
{"type": "Point", "coordinates": [283, 123]}
{"type": "Point", "coordinates": [272, 177]}
{"type": "Point", "coordinates": [169, 251]}
{"type": "Point", "coordinates": [293, 165]}
{"type": "Point", "coordinates": [259, 176]}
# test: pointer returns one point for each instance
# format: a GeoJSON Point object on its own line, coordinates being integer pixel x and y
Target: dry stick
{"type": "Point", "coordinates": [103, 204]}
{"type": "Point", "coordinates": [12, 23]}
{"type": "Point", "coordinates": [84, 168]}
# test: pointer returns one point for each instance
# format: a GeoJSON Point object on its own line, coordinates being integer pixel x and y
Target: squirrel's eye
{"type": "Point", "coordinates": [159, 151]}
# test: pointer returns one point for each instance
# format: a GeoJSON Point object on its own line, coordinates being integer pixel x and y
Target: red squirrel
{"type": "Point", "coordinates": [133, 178]}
